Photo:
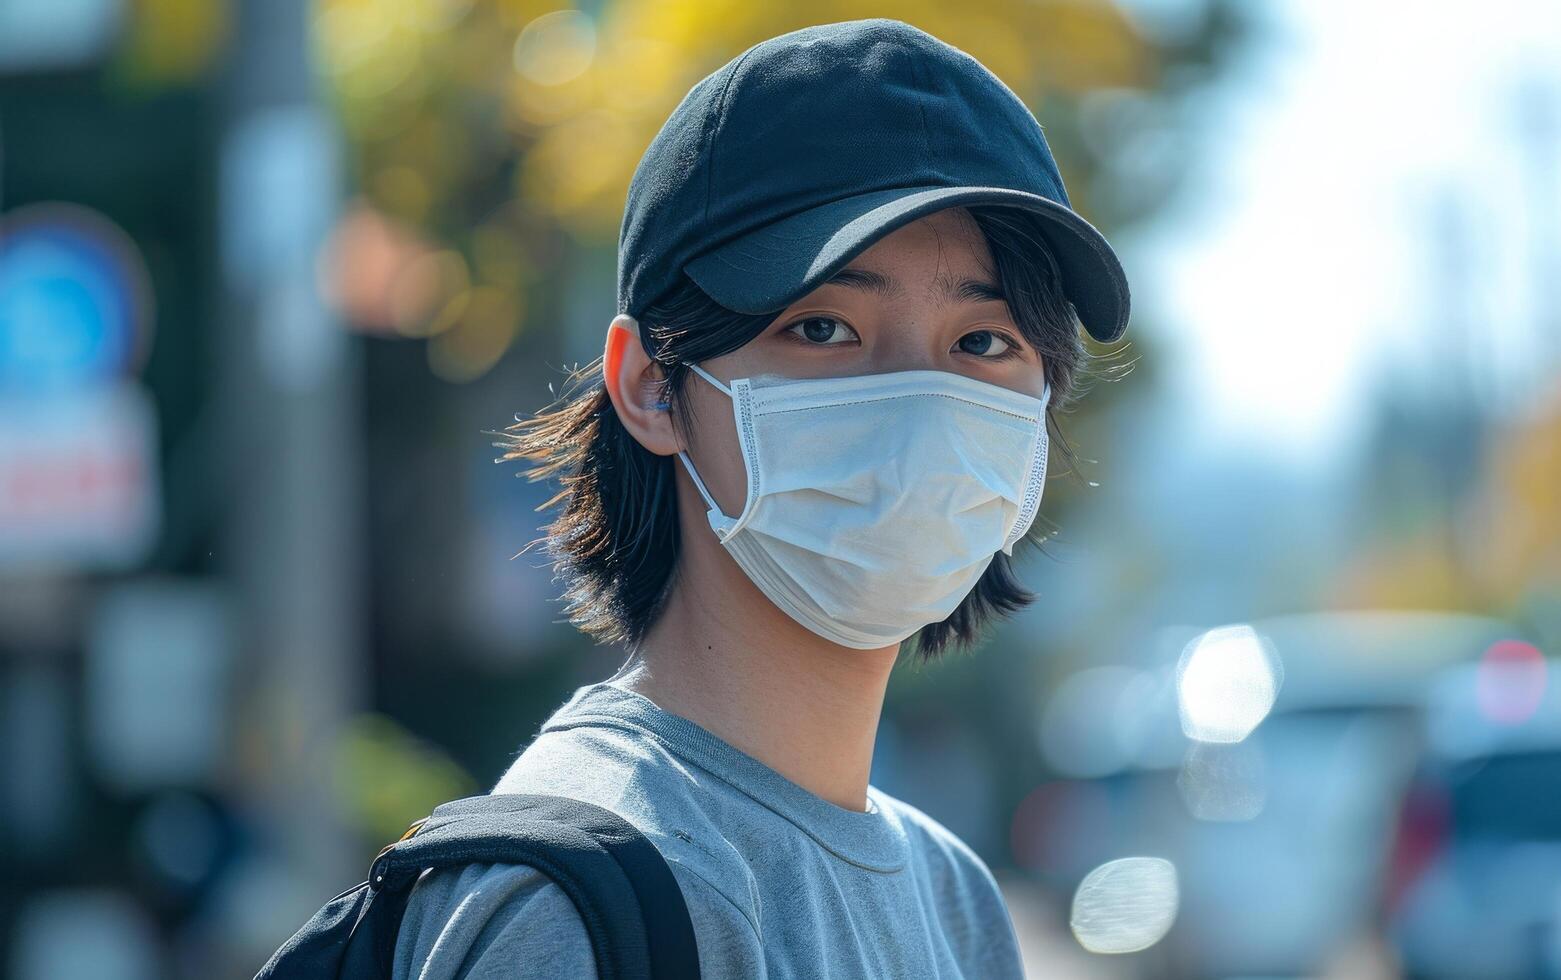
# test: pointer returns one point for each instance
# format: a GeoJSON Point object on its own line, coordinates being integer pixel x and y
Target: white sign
{"type": "Point", "coordinates": [79, 483]}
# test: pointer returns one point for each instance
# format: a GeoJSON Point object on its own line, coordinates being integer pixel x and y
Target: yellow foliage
{"type": "Point", "coordinates": [385, 776]}
{"type": "Point", "coordinates": [1519, 505]}
{"type": "Point", "coordinates": [172, 41]}
{"type": "Point", "coordinates": [584, 100]}
{"type": "Point", "coordinates": [1503, 543]}
{"type": "Point", "coordinates": [1418, 574]}
{"type": "Point", "coordinates": [440, 96]}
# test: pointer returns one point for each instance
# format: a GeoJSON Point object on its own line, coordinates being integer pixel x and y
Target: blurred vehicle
{"type": "Point", "coordinates": [1475, 887]}
{"type": "Point", "coordinates": [1281, 836]}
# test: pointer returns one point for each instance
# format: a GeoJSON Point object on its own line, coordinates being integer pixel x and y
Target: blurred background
{"type": "Point", "coordinates": [271, 271]}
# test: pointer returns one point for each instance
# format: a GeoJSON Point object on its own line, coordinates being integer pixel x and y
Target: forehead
{"type": "Point", "coordinates": [940, 258]}
{"type": "Point", "coordinates": [950, 235]}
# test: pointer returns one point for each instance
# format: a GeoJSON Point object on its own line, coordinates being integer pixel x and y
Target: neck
{"type": "Point", "coordinates": [723, 656]}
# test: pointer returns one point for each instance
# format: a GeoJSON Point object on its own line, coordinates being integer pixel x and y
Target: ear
{"type": "Point", "coordinates": [631, 378]}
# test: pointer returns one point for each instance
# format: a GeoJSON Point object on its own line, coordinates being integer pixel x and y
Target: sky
{"type": "Point", "coordinates": [1305, 264]}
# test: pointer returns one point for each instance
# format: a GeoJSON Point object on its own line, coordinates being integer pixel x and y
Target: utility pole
{"type": "Point", "coordinates": [289, 387]}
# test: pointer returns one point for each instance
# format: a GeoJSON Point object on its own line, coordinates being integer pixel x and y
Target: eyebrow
{"type": "Point", "coordinates": [948, 289]}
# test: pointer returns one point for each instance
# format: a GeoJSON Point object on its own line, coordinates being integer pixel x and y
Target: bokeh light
{"type": "Point", "coordinates": [556, 47]}
{"type": "Point", "coordinates": [1223, 782]}
{"type": "Point", "coordinates": [1510, 681]}
{"type": "Point", "coordinates": [362, 271]}
{"type": "Point", "coordinates": [1125, 905]}
{"type": "Point", "coordinates": [1226, 683]}
{"type": "Point", "coordinates": [1092, 723]}
{"type": "Point", "coordinates": [1057, 822]}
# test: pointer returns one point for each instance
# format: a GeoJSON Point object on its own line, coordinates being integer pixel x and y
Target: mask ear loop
{"type": "Point", "coordinates": [1030, 505]}
{"type": "Point", "coordinates": [688, 464]}
{"type": "Point", "coordinates": [710, 378]}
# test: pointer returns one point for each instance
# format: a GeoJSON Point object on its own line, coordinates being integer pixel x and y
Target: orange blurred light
{"type": "Point", "coordinates": [362, 271]}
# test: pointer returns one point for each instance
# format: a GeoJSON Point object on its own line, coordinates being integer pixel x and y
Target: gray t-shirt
{"type": "Point", "coordinates": [779, 881]}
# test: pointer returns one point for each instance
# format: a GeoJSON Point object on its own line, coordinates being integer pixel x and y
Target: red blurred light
{"type": "Point", "coordinates": [1057, 821]}
{"type": "Point", "coordinates": [1510, 682]}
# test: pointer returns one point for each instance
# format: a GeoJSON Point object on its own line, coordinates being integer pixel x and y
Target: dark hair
{"type": "Point", "coordinates": [615, 544]}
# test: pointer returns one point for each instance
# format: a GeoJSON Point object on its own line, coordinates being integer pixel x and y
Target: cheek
{"type": "Point", "coordinates": [1026, 378]}
{"type": "Point", "coordinates": [715, 450]}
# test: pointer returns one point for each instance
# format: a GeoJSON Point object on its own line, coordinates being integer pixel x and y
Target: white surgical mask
{"type": "Point", "coordinates": [875, 502]}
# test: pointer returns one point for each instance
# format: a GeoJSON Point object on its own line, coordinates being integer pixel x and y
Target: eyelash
{"type": "Point", "coordinates": [1011, 352]}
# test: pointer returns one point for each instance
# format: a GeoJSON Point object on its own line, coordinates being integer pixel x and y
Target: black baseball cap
{"type": "Point", "coordinates": [778, 168]}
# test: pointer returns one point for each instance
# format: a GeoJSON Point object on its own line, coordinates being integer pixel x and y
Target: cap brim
{"type": "Point", "coordinates": [772, 267]}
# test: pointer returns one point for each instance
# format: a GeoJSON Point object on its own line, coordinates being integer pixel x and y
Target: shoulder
{"type": "Point", "coordinates": [483, 920]}
{"type": "Point", "coordinates": [971, 905]}
{"type": "Point", "coordinates": [461, 919]}
{"type": "Point", "coordinates": [677, 806]}
{"type": "Point", "coordinates": [938, 846]}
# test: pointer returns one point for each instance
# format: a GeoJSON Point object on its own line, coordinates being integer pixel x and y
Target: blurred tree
{"type": "Point", "coordinates": [1519, 505]}
{"type": "Point", "coordinates": [1495, 548]}
{"type": "Point", "coordinates": [383, 772]}
{"type": "Point", "coordinates": [170, 42]}
{"type": "Point", "coordinates": [503, 129]}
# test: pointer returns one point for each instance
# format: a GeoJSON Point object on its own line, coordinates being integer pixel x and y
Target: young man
{"type": "Point", "coordinates": [850, 287]}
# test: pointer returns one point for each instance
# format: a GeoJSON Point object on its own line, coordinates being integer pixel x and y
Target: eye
{"type": "Point", "coordinates": [979, 343]}
{"type": "Point", "coordinates": [821, 331]}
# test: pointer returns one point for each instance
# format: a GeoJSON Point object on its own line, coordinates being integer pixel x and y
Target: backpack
{"type": "Point", "coordinates": [627, 897]}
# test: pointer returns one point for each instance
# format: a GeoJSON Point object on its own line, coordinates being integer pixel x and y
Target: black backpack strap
{"type": "Point", "coordinates": [631, 904]}
{"type": "Point", "coordinates": [626, 894]}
